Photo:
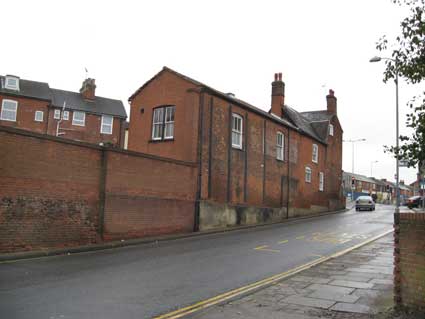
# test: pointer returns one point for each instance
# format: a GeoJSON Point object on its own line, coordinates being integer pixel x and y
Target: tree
{"type": "Point", "coordinates": [408, 60]}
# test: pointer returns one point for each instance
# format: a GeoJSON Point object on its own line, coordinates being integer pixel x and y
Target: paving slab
{"type": "Point", "coordinates": [382, 281]}
{"type": "Point", "coordinates": [332, 289]}
{"type": "Point", "coordinates": [310, 302]}
{"type": "Point", "coordinates": [350, 307]}
{"type": "Point", "coordinates": [351, 278]}
{"type": "Point", "coordinates": [333, 296]}
{"type": "Point", "coordinates": [351, 284]}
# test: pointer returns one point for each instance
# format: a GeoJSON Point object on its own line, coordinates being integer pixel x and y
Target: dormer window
{"type": "Point", "coordinates": [12, 83]}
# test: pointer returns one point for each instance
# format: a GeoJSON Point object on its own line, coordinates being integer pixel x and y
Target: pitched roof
{"type": "Point", "coordinates": [74, 100]}
{"type": "Point", "coordinates": [298, 121]}
{"type": "Point", "coordinates": [100, 105]}
{"type": "Point", "coordinates": [27, 88]}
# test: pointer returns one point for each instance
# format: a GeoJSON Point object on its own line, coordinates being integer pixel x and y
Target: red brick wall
{"type": "Point", "coordinates": [168, 89]}
{"type": "Point", "coordinates": [146, 196]}
{"type": "Point", "coordinates": [25, 117]}
{"type": "Point", "coordinates": [273, 178]}
{"type": "Point", "coordinates": [409, 260]}
{"type": "Point", "coordinates": [51, 193]}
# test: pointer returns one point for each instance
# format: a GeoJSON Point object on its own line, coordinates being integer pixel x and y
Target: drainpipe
{"type": "Point", "coordinates": [199, 151]}
{"type": "Point", "coordinates": [288, 176]}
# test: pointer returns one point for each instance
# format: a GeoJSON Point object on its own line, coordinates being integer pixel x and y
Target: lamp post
{"type": "Point", "coordinates": [352, 141]}
{"type": "Point", "coordinates": [371, 165]}
{"type": "Point", "coordinates": [397, 192]}
{"type": "Point", "coordinates": [352, 150]}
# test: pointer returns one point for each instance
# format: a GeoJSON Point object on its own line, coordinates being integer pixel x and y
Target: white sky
{"type": "Point", "coordinates": [233, 46]}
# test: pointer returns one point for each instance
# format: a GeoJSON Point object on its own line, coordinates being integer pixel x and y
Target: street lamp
{"type": "Point", "coordinates": [377, 59]}
{"type": "Point", "coordinates": [352, 152]}
{"type": "Point", "coordinates": [371, 165]}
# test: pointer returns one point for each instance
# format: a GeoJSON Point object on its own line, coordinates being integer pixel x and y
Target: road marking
{"type": "Point", "coordinates": [300, 237]}
{"type": "Point", "coordinates": [264, 248]}
{"type": "Point", "coordinates": [259, 284]}
{"type": "Point", "coordinates": [283, 241]}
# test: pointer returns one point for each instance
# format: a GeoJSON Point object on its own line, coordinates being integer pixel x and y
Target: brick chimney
{"type": "Point", "coordinates": [88, 89]}
{"type": "Point", "coordinates": [278, 95]}
{"type": "Point", "coordinates": [331, 102]}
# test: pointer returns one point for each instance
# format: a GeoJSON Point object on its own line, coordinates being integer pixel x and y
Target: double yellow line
{"type": "Point", "coordinates": [259, 284]}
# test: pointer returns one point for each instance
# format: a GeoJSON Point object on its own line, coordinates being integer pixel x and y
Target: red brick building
{"type": "Point", "coordinates": [81, 116]}
{"type": "Point", "coordinates": [253, 166]}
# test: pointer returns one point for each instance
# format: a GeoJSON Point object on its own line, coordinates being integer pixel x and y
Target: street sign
{"type": "Point", "coordinates": [402, 163]}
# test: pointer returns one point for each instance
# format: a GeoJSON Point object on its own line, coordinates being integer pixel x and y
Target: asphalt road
{"type": "Point", "coordinates": [147, 280]}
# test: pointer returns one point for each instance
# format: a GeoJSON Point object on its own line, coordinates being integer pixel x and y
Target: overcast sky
{"type": "Point", "coordinates": [233, 46]}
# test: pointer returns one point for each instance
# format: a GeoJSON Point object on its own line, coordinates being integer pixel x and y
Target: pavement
{"type": "Point", "coordinates": [355, 285]}
{"type": "Point", "coordinates": [145, 281]}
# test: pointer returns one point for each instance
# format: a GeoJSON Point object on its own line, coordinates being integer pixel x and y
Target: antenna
{"type": "Point", "coordinates": [87, 73]}
{"type": "Point", "coordinates": [60, 120]}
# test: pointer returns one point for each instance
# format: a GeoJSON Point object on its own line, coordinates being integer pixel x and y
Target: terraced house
{"type": "Point", "coordinates": [82, 116]}
{"type": "Point", "coordinates": [253, 166]}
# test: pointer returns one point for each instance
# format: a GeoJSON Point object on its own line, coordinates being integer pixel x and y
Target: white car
{"type": "Point", "coordinates": [365, 202]}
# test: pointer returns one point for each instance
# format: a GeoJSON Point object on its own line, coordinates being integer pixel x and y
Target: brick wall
{"type": "Point", "coordinates": [409, 260]}
{"type": "Point", "coordinates": [56, 193]}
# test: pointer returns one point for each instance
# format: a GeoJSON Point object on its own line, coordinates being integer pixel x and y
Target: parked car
{"type": "Point", "coordinates": [414, 201]}
{"type": "Point", "coordinates": [365, 202]}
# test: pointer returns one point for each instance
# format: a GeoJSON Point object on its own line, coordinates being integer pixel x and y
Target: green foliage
{"type": "Point", "coordinates": [408, 59]}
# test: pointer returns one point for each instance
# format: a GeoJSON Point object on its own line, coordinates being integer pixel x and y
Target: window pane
{"type": "Point", "coordinates": [66, 115]}
{"type": "Point", "coordinates": [157, 131]}
{"type": "Point", "coordinates": [106, 124]}
{"type": "Point", "coordinates": [57, 114]}
{"type": "Point", "coordinates": [8, 110]}
{"type": "Point", "coordinates": [169, 114]}
{"type": "Point", "coordinates": [39, 116]}
{"type": "Point", "coordinates": [169, 130]}
{"type": "Point", "coordinates": [158, 115]}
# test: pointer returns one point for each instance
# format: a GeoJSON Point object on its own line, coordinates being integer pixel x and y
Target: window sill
{"type": "Point", "coordinates": [280, 160]}
{"type": "Point", "coordinates": [162, 140]}
{"type": "Point", "coordinates": [237, 149]}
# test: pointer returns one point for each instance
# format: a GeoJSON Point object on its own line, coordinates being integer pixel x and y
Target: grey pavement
{"type": "Point", "coordinates": [148, 280]}
{"type": "Point", "coordinates": [363, 287]}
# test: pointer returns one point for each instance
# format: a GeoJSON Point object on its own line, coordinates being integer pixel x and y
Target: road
{"type": "Point", "coordinates": [147, 280]}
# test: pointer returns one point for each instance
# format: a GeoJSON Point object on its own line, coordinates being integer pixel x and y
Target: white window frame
{"type": "Point", "coordinates": [280, 146]}
{"type": "Point", "coordinates": [162, 122]}
{"type": "Point", "coordinates": [11, 87]}
{"type": "Point", "coordinates": [237, 131]}
{"type": "Point", "coordinates": [65, 115]}
{"type": "Point", "coordinates": [331, 130]}
{"type": "Point", "coordinates": [36, 118]}
{"type": "Point", "coordinates": [79, 122]}
{"type": "Point", "coordinates": [4, 110]}
{"type": "Point", "coordinates": [308, 173]}
{"type": "Point", "coordinates": [170, 123]}
{"type": "Point", "coordinates": [104, 125]}
{"type": "Point", "coordinates": [321, 181]}
{"type": "Point", "coordinates": [57, 114]}
{"type": "Point", "coordinates": [315, 154]}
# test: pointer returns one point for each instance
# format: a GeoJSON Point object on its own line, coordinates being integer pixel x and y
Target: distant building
{"type": "Point", "coordinates": [358, 185]}
{"type": "Point", "coordinates": [34, 106]}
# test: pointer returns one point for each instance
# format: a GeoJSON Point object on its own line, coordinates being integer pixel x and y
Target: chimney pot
{"type": "Point", "coordinates": [278, 95]}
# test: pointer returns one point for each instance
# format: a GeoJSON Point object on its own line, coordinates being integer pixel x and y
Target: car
{"type": "Point", "coordinates": [414, 201]}
{"type": "Point", "coordinates": [365, 202]}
